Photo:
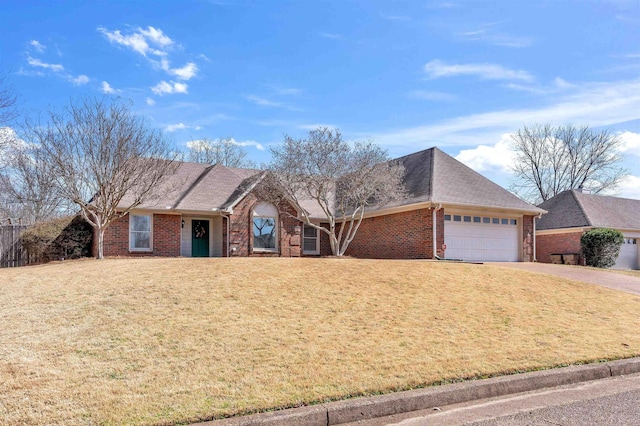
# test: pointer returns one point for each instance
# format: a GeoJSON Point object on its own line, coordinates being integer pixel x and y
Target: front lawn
{"type": "Point", "coordinates": [174, 340]}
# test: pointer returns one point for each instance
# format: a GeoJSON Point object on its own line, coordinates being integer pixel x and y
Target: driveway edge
{"type": "Point", "coordinates": [351, 410]}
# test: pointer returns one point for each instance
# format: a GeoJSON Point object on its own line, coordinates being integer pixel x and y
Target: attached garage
{"type": "Point", "coordinates": [628, 257]}
{"type": "Point", "coordinates": [573, 212]}
{"type": "Point", "coordinates": [481, 238]}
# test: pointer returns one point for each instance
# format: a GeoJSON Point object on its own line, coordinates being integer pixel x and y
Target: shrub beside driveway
{"type": "Point", "coordinates": [175, 340]}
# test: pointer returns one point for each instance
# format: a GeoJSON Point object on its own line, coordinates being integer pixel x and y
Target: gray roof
{"type": "Point", "coordinates": [434, 176]}
{"type": "Point", "coordinates": [200, 187]}
{"type": "Point", "coordinates": [430, 176]}
{"type": "Point", "coordinates": [574, 209]}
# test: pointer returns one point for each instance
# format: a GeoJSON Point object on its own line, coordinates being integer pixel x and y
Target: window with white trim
{"type": "Point", "coordinates": [265, 227]}
{"type": "Point", "coordinates": [140, 232]}
{"type": "Point", "coordinates": [310, 240]}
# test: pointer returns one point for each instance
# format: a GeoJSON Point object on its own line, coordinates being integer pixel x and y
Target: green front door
{"type": "Point", "coordinates": [200, 238]}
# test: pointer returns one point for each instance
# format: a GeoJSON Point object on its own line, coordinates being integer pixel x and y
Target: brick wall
{"type": "Point", "coordinates": [241, 230]}
{"type": "Point", "coordinates": [546, 245]}
{"type": "Point", "coordinates": [166, 237]}
{"type": "Point", "coordinates": [407, 235]}
{"type": "Point", "coordinates": [527, 239]}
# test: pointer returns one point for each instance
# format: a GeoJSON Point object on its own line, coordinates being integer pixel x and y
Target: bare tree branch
{"type": "Point", "coordinates": [337, 179]}
{"type": "Point", "coordinates": [103, 158]}
{"type": "Point", "coordinates": [7, 103]}
{"type": "Point", "coordinates": [225, 151]}
{"type": "Point", "coordinates": [550, 160]}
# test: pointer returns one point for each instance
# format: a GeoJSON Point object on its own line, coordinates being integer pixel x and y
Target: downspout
{"type": "Point", "coordinates": [435, 232]}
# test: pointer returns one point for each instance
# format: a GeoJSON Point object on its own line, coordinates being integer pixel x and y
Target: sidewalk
{"type": "Point", "coordinates": [352, 410]}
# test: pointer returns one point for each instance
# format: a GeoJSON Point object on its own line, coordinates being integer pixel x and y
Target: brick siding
{"type": "Point", "coordinates": [241, 230]}
{"type": "Point", "coordinates": [406, 235]}
{"type": "Point", "coordinates": [546, 245]}
{"type": "Point", "coordinates": [166, 237]}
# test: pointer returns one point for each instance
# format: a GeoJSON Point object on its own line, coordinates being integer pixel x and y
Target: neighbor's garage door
{"type": "Point", "coordinates": [628, 258]}
{"type": "Point", "coordinates": [481, 238]}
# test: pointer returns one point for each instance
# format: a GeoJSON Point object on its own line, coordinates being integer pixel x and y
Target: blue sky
{"type": "Point", "coordinates": [409, 75]}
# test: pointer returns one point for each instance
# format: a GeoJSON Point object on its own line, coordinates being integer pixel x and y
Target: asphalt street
{"type": "Point", "coordinates": [612, 401]}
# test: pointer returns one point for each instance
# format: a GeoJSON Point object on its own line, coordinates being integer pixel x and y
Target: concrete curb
{"type": "Point", "coordinates": [351, 410]}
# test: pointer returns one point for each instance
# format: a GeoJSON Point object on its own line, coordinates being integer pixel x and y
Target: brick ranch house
{"type": "Point", "coordinates": [573, 212]}
{"type": "Point", "coordinates": [451, 211]}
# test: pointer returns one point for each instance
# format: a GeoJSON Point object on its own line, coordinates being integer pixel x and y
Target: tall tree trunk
{"type": "Point", "coordinates": [100, 232]}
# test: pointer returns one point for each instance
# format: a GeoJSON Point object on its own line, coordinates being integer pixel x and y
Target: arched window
{"type": "Point", "coordinates": [265, 227]}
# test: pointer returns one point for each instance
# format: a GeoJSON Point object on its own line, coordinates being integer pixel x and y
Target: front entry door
{"type": "Point", "coordinates": [200, 238]}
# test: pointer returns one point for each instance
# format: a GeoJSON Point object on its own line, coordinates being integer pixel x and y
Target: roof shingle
{"type": "Point", "coordinates": [574, 209]}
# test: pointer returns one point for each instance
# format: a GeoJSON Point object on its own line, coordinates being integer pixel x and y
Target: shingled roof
{"type": "Point", "coordinates": [201, 187]}
{"type": "Point", "coordinates": [434, 176]}
{"type": "Point", "coordinates": [574, 209]}
{"type": "Point", "coordinates": [431, 176]}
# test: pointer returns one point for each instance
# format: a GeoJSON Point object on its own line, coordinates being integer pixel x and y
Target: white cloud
{"type": "Point", "coordinates": [10, 143]}
{"type": "Point", "coordinates": [39, 47]}
{"type": "Point", "coordinates": [107, 89]}
{"type": "Point", "coordinates": [432, 96]}
{"type": "Point", "coordinates": [38, 63]}
{"type": "Point", "coordinates": [164, 88]}
{"type": "Point", "coordinates": [332, 36]}
{"type": "Point", "coordinates": [595, 104]}
{"type": "Point", "coordinates": [630, 187]}
{"type": "Point", "coordinates": [150, 101]}
{"type": "Point", "coordinates": [264, 102]}
{"type": "Point", "coordinates": [174, 127]}
{"type": "Point", "coordinates": [184, 73]}
{"type": "Point", "coordinates": [437, 69]}
{"type": "Point", "coordinates": [316, 126]}
{"type": "Point", "coordinates": [253, 143]}
{"type": "Point", "coordinates": [630, 143]}
{"type": "Point", "coordinates": [487, 34]}
{"type": "Point", "coordinates": [156, 36]}
{"type": "Point", "coordinates": [180, 126]}
{"type": "Point", "coordinates": [499, 157]}
{"type": "Point", "coordinates": [150, 41]}
{"type": "Point", "coordinates": [79, 80]}
{"type": "Point", "coordinates": [200, 143]}
{"type": "Point", "coordinates": [204, 57]}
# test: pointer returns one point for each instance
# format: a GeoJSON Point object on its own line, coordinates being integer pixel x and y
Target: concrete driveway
{"type": "Point", "coordinates": [608, 279]}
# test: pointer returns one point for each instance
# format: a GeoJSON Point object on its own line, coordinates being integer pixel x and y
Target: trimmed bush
{"type": "Point", "coordinates": [66, 237]}
{"type": "Point", "coordinates": [601, 247]}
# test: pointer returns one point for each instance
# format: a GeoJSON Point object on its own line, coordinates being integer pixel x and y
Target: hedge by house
{"type": "Point", "coordinates": [601, 246]}
{"type": "Point", "coordinates": [66, 237]}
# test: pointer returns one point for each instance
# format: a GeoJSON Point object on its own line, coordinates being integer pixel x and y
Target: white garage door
{"type": "Point", "coordinates": [628, 258]}
{"type": "Point", "coordinates": [481, 238]}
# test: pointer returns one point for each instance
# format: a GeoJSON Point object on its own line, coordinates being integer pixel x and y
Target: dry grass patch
{"type": "Point", "coordinates": [149, 341]}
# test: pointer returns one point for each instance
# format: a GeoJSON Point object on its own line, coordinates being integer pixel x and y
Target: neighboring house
{"type": "Point", "coordinates": [214, 211]}
{"type": "Point", "coordinates": [573, 212]}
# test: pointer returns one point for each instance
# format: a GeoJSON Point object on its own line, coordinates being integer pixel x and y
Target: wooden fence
{"type": "Point", "coordinates": [11, 251]}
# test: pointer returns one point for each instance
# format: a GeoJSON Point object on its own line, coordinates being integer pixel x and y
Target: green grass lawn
{"type": "Point", "coordinates": [162, 341]}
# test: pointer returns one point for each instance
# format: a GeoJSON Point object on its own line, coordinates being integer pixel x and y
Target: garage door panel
{"type": "Point", "coordinates": [481, 242]}
{"type": "Point", "coordinates": [628, 257]}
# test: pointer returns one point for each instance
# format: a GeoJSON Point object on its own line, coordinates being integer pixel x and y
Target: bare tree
{"type": "Point", "coordinates": [340, 178]}
{"type": "Point", "coordinates": [7, 103]}
{"type": "Point", "coordinates": [225, 151]}
{"type": "Point", "coordinates": [30, 185]}
{"type": "Point", "coordinates": [550, 160]}
{"type": "Point", "coordinates": [104, 158]}
{"type": "Point", "coordinates": [7, 114]}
